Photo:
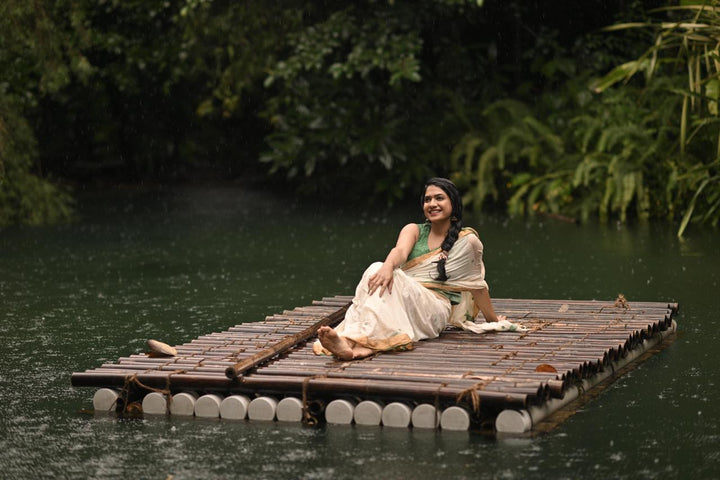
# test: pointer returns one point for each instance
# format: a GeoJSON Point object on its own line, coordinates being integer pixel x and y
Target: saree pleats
{"type": "Point", "coordinates": [395, 320]}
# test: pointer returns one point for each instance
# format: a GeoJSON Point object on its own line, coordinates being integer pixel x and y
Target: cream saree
{"type": "Point", "coordinates": [415, 310]}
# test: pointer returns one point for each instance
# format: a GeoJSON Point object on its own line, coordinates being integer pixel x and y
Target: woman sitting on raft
{"type": "Point", "coordinates": [433, 277]}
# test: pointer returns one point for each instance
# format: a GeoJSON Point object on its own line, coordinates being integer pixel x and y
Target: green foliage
{"type": "Point", "coordinates": [342, 97]}
{"type": "Point", "coordinates": [373, 96]}
{"type": "Point", "coordinates": [643, 149]}
{"type": "Point", "coordinates": [353, 46]}
{"type": "Point", "coordinates": [619, 145]}
{"type": "Point", "coordinates": [703, 180]}
{"type": "Point", "coordinates": [231, 47]}
{"type": "Point", "coordinates": [512, 149]}
{"type": "Point", "coordinates": [25, 197]}
{"type": "Point", "coordinates": [29, 39]}
{"type": "Point", "coordinates": [597, 155]}
{"type": "Point", "coordinates": [685, 61]}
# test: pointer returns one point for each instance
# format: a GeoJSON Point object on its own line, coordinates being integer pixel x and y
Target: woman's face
{"type": "Point", "coordinates": [436, 204]}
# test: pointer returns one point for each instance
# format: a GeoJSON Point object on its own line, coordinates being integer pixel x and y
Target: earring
{"type": "Point", "coordinates": [453, 218]}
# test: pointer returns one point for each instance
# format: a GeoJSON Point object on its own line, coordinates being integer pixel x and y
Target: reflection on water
{"type": "Point", "coordinates": [176, 264]}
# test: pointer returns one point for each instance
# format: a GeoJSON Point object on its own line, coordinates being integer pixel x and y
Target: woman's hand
{"type": "Point", "coordinates": [498, 318]}
{"type": "Point", "coordinates": [482, 300]}
{"type": "Point", "coordinates": [382, 280]}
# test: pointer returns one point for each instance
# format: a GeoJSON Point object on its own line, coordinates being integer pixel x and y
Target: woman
{"type": "Point", "coordinates": [433, 276]}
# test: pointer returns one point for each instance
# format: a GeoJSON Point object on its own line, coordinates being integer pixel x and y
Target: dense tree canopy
{"type": "Point", "coordinates": [374, 96]}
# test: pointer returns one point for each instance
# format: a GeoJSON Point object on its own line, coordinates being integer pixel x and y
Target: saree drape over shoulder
{"type": "Point", "coordinates": [418, 307]}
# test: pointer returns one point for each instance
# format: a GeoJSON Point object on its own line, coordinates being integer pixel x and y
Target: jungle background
{"type": "Point", "coordinates": [601, 109]}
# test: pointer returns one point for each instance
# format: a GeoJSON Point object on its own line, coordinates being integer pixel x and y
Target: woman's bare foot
{"type": "Point", "coordinates": [362, 352]}
{"type": "Point", "coordinates": [334, 343]}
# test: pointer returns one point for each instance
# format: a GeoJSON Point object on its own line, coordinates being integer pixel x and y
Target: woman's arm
{"type": "Point", "coordinates": [482, 300]}
{"type": "Point", "coordinates": [383, 278]}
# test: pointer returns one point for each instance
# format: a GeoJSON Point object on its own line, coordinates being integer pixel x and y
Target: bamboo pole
{"type": "Point", "coordinates": [155, 380]}
{"type": "Point", "coordinates": [283, 345]}
{"type": "Point", "coordinates": [375, 388]}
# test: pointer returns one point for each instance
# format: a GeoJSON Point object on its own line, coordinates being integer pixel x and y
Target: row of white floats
{"type": "Point", "coordinates": [341, 411]}
{"type": "Point", "coordinates": [289, 409]}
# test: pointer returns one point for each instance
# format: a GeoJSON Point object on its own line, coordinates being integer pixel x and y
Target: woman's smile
{"type": "Point", "coordinates": [436, 204]}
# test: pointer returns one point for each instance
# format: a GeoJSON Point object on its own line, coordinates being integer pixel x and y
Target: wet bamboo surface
{"type": "Point", "coordinates": [564, 341]}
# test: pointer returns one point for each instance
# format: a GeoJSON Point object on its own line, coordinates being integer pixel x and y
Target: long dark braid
{"type": "Point", "coordinates": [455, 220]}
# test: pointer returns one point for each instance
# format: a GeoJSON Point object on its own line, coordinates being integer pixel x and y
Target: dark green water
{"type": "Point", "coordinates": [180, 263]}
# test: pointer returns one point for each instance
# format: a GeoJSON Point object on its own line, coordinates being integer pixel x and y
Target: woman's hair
{"type": "Point", "coordinates": [455, 219]}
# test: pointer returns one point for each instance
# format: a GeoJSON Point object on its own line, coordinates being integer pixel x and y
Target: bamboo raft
{"type": "Point", "coordinates": [502, 381]}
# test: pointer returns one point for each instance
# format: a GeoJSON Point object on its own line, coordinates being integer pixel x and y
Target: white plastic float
{"type": "Point", "coordinates": [105, 400]}
{"type": "Point", "coordinates": [289, 409]}
{"type": "Point", "coordinates": [368, 413]}
{"type": "Point", "coordinates": [154, 403]}
{"type": "Point", "coordinates": [234, 407]}
{"type": "Point", "coordinates": [455, 418]}
{"type": "Point", "coordinates": [208, 406]}
{"type": "Point", "coordinates": [340, 412]}
{"type": "Point", "coordinates": [263, 409]}
{"type": "Point", "coordinates": [425, 416]}
{"type": "Point", "coordinates": [396, 414]}
{"type": "Point", "coordinates": [183, 404]}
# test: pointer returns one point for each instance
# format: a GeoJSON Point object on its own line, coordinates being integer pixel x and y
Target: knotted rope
{"type": "Point", "coordinates": [133, 379]}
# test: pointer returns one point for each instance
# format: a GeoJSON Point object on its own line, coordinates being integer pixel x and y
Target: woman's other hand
{"type": "Point", "coordinates": [381, 280]}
